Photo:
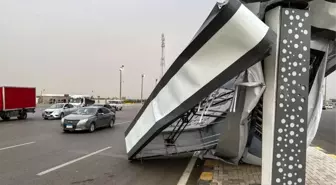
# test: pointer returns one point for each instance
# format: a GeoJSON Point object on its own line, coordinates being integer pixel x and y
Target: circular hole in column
{"type": "Point", "coordinates": [296, 36]}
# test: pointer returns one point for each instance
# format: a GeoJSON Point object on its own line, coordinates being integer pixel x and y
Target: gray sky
{"type": "Point", "coordinates": [76, 46]}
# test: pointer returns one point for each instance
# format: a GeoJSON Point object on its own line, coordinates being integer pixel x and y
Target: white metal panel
{"type": "Point", "coordinates": [239, 35]}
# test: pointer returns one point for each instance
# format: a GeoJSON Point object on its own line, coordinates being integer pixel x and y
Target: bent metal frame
{"type": "Point", "coordinates": [285, 106]}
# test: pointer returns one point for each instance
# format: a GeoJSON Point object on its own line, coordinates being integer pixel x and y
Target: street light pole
{"type": "Point", "coordinates": [142, 77]}
{"type": "Point", "coordinates": [120, 88]}
{"type": "Point", "coordinates": [41, 97]}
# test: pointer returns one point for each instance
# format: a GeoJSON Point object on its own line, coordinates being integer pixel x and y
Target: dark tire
{"type": "Point", "coordinates": [5, 118]}
{"type": "Point", "coordinates": [65, 131]}
{"type": "Point", "coordinates": [22, 116]}
{"type": "Point", "coordinates": [111, 123]}
{"type": "Point", "coordinates": [62, 115]}
{"type": "Point", "coordinates": [92, 127]}
{"type": "Point", "coordinates": [45, 118]}
{"type": "Point", "coordinates": [120, 108]}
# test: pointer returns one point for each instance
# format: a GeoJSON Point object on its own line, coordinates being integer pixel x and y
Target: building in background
{"type": "Point", "coordinates": [53, 98]}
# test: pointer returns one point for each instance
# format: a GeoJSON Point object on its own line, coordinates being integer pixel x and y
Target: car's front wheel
{"type": "Point", "coordinates": [111, 123]}
{"type": "Point", "coordinates": [62, 115]}
{"type": "Point", "coordinates": [92, 127]}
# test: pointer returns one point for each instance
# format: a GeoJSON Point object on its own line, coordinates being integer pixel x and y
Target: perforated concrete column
{"type": "Point", "coordinates": [285, 99]}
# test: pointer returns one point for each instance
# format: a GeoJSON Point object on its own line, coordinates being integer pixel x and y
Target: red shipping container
{"type": "Point", "coordinates": [17, 98]}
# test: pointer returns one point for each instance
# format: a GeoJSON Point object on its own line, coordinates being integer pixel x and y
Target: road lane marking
{"type": "Point", "coordinates": [72, 161]}
{"type": "Point", "coordinates": [122, 123]}
{"type": "Point", "coordinates": [185, 176]}
{"type": "Point", "coordinates": [14, 146]}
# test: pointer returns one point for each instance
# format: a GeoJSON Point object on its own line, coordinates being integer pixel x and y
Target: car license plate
{"type": "Point", "coordinates": [68, 126]}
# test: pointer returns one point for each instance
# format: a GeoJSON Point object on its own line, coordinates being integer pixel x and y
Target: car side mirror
{"type": "Point", "coordinates": [100, 114]}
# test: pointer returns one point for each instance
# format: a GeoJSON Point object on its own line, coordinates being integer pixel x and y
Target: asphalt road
{"type": "Point", "coordinates": [45, 147]}
{"type": "Point", "coordinates": [326, 133]}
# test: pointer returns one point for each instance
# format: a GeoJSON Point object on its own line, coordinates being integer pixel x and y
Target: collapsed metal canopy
{"type": "Point", "coordinates": [210, 98]}
{"type": "Point", "coordinates": [231, 40]}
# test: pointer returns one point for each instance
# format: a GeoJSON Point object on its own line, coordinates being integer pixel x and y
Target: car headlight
{"type": "Point", "coordinates": [82, 121]}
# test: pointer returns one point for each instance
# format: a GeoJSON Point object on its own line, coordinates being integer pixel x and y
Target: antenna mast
{"type": "Point", "coordinates": [163, 63]}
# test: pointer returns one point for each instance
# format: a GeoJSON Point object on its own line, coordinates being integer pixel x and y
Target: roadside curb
{"type": "Point", "coordinates": [207, 174]}
{"type": "Point", "coordinates": [216, 172]}
{"type": "Point", "coordinates": [324, 151]}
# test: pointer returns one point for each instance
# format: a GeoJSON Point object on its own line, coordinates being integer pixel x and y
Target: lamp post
{"type": "Point", "coordinates": [41, 97]}
{"type": "Point", "coordinates": [142, 77]}
{"type": "Point", "coordinates": [120, 88]}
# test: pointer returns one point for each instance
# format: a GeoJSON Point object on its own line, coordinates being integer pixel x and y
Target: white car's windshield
{"type": "Point", "coordinates": [57, 106]}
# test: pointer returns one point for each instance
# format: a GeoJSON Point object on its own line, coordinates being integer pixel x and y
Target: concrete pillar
{"type": "Point", "coordinates": [285, 103]}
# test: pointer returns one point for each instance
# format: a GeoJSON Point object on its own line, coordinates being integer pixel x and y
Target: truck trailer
{"type": "Point", "coordinates": [17, 102]}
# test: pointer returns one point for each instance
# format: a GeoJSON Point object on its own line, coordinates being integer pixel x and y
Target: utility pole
{"type": "Point", "coordinates": [142, 77]}
{"type": "Point", "coordinates": [120, 87]}
{"type": "Point", "coordinates": [163, 63]}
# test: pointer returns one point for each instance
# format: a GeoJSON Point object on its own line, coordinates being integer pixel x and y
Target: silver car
{"type": "Point", "coordinates": [58, 111]}
{"type": "Point", "coordinates": [88, 118]}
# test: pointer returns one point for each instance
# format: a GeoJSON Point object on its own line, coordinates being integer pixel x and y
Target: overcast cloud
{"type": "Point", "coordinates": [76, 46]}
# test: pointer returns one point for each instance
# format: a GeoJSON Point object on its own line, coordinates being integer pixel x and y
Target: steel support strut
{"type": "Point", "coordinates": [285, 99]}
